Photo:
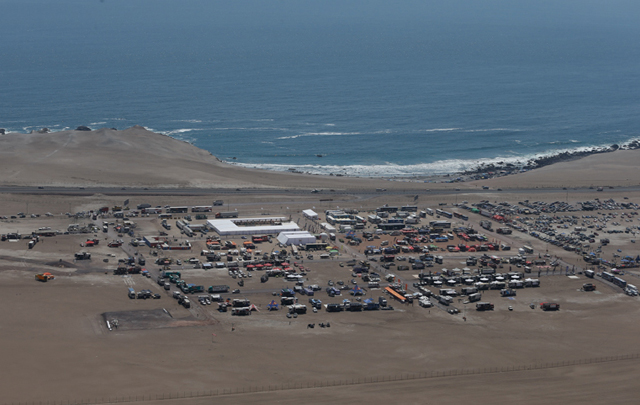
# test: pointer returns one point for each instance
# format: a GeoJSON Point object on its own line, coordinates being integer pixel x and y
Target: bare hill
{"type": "Point", "coordinates": [133, 157]}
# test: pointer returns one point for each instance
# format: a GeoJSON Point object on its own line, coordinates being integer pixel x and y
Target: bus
{"type": "Point", "coordinates": [444, 213]}
{"type": "Point", "coordinates": [460, 216]}
{"type": "Point", "coordinates": [440, 224]}
{"type": "Point", "coordinates": [619, 282]}
{"type": "Point", "coordinates": [204, 208]}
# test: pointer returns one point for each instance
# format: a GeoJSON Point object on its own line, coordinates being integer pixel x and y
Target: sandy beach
{"type": "Point", "coordinates": [139, 158]}
{"type": "Point", "coordinates": [57, 346]}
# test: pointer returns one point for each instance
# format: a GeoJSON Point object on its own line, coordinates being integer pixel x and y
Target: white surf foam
{"type": "Point", "coordinates": [182, 131]}
{"type": "Point", "coordinates": [330, 133]}
{"type": "Point", "coordinates": [440, 129]}
{"type": "Point", "coordinates": [441, 167]}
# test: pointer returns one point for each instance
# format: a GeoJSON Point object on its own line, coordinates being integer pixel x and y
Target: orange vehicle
{"type": "Point", "coordinates": [44, 277]}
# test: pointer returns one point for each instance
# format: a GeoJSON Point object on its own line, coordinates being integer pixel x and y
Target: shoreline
{"type": "Point", "coordinates": [559, 157]}
{"type": "Point", "coordinates": [137, 157]}
{"type": "Point", "coordinates": [502, 164]}
{"type": "Point", "coordinates": [482, 171]}
{"type": "Point", "coordinates": [495, 167]}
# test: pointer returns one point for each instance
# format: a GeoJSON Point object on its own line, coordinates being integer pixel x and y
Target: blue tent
{"type": "Point", "coordinates": [273, 306]}
{"type": "Point", "coordinates": [357, 290]}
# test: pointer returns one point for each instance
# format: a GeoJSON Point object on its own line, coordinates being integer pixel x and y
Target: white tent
{"type": "Point", "coordinates": [252, 226]}
{"type": "Point", "coordinates": [296, 238]}
{"type": "Point", "coordinates": [311, 214]}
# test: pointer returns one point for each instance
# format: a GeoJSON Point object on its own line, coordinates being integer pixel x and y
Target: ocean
{"type": "Point", "coordinates": [365, 88]}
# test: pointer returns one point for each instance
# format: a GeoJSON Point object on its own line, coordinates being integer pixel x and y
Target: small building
{"type": "Point", "coordinates": [155, 241]}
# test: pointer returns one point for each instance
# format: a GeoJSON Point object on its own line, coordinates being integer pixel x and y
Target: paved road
{"type": "Point", "coordinates": [126, 191]}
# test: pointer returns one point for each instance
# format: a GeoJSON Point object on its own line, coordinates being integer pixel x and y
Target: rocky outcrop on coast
{"type": "Point", "coordinates": [547, 160]}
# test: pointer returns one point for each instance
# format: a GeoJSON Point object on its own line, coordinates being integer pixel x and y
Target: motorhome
{"type": "Point", "coordinates": [484, 306]}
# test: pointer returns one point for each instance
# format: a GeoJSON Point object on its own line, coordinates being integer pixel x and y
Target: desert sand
{"type": "Point", "coordinates": [58, 349]}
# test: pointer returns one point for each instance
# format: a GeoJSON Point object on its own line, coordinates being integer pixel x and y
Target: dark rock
{"type": "Point", "coordinates": [633, 144]}
{"type": "Point", "coordinates": [2, 131]}
{"type": "Point", "coordinates": [83, 128]}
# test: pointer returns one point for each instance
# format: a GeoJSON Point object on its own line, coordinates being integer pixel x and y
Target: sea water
{"type": "Point", "coordinates": [367, 88]}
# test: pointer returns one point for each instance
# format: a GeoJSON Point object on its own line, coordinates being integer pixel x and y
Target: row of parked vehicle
{"type": "Point", "coordinates": [143, 294]}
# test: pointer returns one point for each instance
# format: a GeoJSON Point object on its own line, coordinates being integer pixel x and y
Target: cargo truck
{"type": "Point", "coordinates": [550, 306]}
{"type": "Point", "coordinates": [218, 289]}
{"type": "Point", "coordinates": [230, 214]}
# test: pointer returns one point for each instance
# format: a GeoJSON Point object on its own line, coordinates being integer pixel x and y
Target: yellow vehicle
{"type": "Point", "coordinates": [44, 277]}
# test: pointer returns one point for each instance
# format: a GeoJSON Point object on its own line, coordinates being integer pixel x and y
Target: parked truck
{"type": "Point", "coordinates": [445, 299]}
{"type": "Point", "coordinates": [475, 297]}
{"type": "Point", "coordinates": [195, 289]}
{"type": "Point", "coordinates": [168, 274]}
{"type": "Point", "coordinates": [83, 256]}
{"type": "Point", "coordinates": [550, 306]}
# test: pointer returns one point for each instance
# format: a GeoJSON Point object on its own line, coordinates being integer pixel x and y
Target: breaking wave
{"type": "Point", "coordinates": [328, 133]}
{"type": "Point", "coordinates": [440, 167]}
{"type": "Point", "coordinates": [182, 131]}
